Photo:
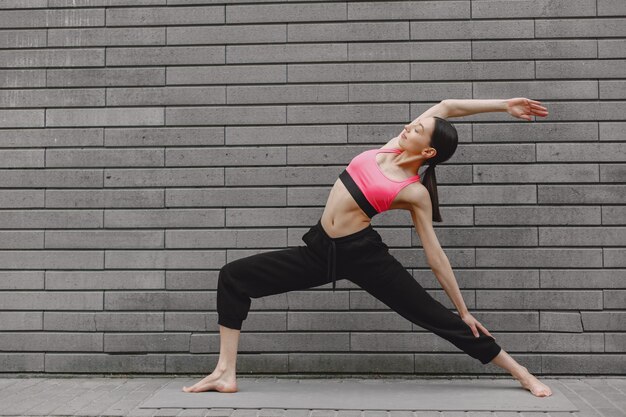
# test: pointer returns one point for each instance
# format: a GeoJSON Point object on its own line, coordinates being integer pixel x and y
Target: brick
{"type": "Point", "coordinates": [285, 342]}
{"type": "Point", "coordinates": [103, 321]}
{"type": "Point", "coordinates": [561, 321]}
{"type": "Point", "coordinates": [471, 29]}
{"type": "Point", "coordinates": [376, 363]}
{"type": "Point", "coordinates": [580, 28]}
{"type": "Point", "coordinates": [150, 259]}
{"type": "Point", "coordinates": [170, 96]}
{"type": "Point", "coordinates": [613, 214]}
{"type": "Point", "coordinates": [614, 299]}
{"type": "Point", "coordinates": [106, 36]}
{"type": "Point", "coordinates": [162, 136]}
{"type": "Point", "coordinates": [120, 198]}
{"type": "Point", "coordinates": [51, 341]}
{"type": "Point", "coordinates": [586, 278]}
{"type": "Point", "coordinates": [581, 194]}
{"type": "Point", "coordinates": [537, 215]}
{"type": "Point", "coordinates": [474, 70]}
{"type": "Point", "coordinates": [601, 152]}
{"type": "Point", "coordinates": [51, 137]}
{"type": "Point", "coordinates": [158, 300]}
{"type": "Point", "coordinates": [105, 280]}
{"type": "Point", "coordinates": [74, 57]}
{"type": "Point", "coordinates": [103, 363]}
{"type": "Point", "coordinates": [584, 364]}
{"type": "Point", "coordinates": [42, 300]}
{"type": "Point", "coordinates": [225, 34]}
{"type": "Point", "coordinates": [246, 363]}
{"type": "Point", "coordinates": [605, 68]}
{"type": "Point", "coordinates": [104, 117]}
{"type": "Point", "coordinates": [544, 299]}
{"type": "Point", "coordinates": [612, 48]}
{"type": "Point", "coordinates": [285, 53]}
{"type": "Point", "coordinates": [145, 342]}
{"type": "Point", "coordinates": [614, 257]}
{"type": "Point", "coordinates": [604, 320]}
{"type": "Point", "coordinates": [104, 157]}
{"type": "Point", "coordinates": [553, 89]}
{"type": "Point", "coordinates": [164, 16]}
{"type": "Point", "coordinates": [23, 38]}
{"type": "Point", "coordinates": [22, 118]}
{"type": "Point", "coordinates": [228, 74]}
{"type": "Point", "coordinates": [52, 97]}
{"type": "Point", "coordinates": [582, 236]}
{"type": "Point", "coordinates": [535, 49]}
{"type": "Point", "coordinates": [285, 12]}
{"type": "Point", "coordinates": [167, 55]}
{"type": "Point", "coordinates": [51, 18]}
{"type": "Point", "coordinates": [95, 77]}
{"type": "Point", "coordinates": [615, 342]}
{"type": "Point", "coordinates": [347, 31]}
{"type": "Point", "coordinates": [20, 320]}
{"type": "Point", "coordinates": [612, 172]}
{"type": "Point", "coordinates": [483, 9]}
{"type": "Point", "coordinates": [21, 362]}
{"type": "Point", "coordinates": [10, 78]}
{"type": "Point", "coordinates": [611, 8]}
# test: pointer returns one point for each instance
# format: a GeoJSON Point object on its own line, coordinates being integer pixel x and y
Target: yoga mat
{"type": "Point", "coordinates": [337, 394]}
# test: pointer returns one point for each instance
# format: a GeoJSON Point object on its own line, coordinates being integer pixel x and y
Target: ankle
{"type": "Point", "coordinates": [225, 369]}
{"type": "Point", "coordinates": [521, 371]}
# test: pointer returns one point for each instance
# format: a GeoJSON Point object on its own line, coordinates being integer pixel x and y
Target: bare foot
{"type": "Point", "coordinates": [532, 384]}
{"type": "Point", "coordinates": [222, 381]}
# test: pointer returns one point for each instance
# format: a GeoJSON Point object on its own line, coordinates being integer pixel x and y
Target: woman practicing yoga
{"type": "Point", "coordinates": [344, 244]}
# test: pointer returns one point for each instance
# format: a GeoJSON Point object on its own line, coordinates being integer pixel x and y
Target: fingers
{"type": "Point", "coordinates": [485, 330]}
{"type": "Point", "coordinates": [538, 109]}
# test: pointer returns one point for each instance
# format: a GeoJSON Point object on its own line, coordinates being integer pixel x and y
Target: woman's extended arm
{"type": "Point", "coordinates": [520, 107]}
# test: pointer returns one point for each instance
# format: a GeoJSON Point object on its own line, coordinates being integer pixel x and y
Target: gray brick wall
{"type": "Point", "coordinates": [144, 144]}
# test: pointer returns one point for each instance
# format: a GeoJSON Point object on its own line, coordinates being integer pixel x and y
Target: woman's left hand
{"type": "Point", "coordinates": [524, 108]}
{"type": "Point", "coordinates": [475, 325]}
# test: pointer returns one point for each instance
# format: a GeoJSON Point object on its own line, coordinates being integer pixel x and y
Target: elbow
{"type": "Point", "coordinates": [438, 262]}
{"type": "Point", "coordinates": [448, 108]}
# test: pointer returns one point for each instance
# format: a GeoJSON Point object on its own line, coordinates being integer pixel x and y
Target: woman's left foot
{"type": "Point", "coordinates": [532, 384]}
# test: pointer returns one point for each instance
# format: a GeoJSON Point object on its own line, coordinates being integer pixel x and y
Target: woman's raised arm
{"type": "Point", "coordinates": [520, 107]}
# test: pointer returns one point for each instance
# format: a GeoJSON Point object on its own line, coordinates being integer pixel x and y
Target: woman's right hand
{"type": "Point", "coordinates": [524, 108]}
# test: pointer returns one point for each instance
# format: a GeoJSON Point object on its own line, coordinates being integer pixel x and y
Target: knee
{"type": "Point", "coordinates": [227, 279]}
{"type": "Point", "coordinates": [225, 274]}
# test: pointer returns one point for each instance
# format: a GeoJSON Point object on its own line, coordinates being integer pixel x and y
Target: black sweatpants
{"type": "Point", "coordinates": [361, 257]}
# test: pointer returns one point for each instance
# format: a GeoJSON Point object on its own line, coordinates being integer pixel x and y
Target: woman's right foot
{"type": "Point", "coordinates": [217, 381]}
{"type": "Point", "coordinates": [532, 384]}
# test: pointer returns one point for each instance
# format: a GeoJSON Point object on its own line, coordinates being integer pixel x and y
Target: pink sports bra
{"type": "Point", "coordinates": [371, 189]}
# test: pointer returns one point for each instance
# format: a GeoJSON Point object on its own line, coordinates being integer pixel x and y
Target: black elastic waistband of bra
{"type": "Point", "coordinates": [357, 194]}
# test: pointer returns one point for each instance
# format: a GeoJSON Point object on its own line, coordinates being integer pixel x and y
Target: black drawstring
{"type": "Point", "coordinates": [332, 251]}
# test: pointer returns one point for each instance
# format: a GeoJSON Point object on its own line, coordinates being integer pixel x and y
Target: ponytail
{"type": "Point", "coordinates": [445, 140]}
{"type": "Point", "coordinates": [430, 182]}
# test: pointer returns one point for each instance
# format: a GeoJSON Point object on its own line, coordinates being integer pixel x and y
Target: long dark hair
{"type": "Point", "coordinates": [445, 140]}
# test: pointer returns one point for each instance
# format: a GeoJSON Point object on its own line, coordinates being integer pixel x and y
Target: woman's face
{"type": "Point", "coordinates": [416, 136]}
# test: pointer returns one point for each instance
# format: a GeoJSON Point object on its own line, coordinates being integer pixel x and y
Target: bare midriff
{"type": "Point", "coordinates": [342, 215]}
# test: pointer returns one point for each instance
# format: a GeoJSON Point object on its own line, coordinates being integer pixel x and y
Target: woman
{"type": "Point", "coordinates": [343, 243]}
